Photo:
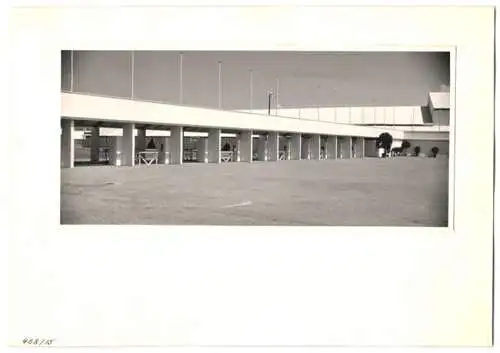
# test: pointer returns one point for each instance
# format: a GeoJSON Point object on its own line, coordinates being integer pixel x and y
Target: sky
{"type": "Point", "coordinates": [301, 79]}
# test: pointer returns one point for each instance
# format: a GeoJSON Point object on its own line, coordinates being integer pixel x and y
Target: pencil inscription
{"type": "Point", "coordinates": [37, 341]}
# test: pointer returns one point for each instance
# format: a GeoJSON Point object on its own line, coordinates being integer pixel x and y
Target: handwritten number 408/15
{"type": "Point", "coordinates": [38, 342]}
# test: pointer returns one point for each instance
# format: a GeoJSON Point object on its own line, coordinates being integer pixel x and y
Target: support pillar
{"type": "Point", "coordinates": [213, 145]}
{"type": "Point", "coordinates": [288, 149]}
{"type": "Point", "coordinates": [273, 145]}
{"type": "Point", "coordinates": [370, 148]}
{"type": "Point", "coordinates": [351, 151]}
{"type": "Point", "coordinates": [237, 157]}
{"type": "Point", "coordinates": [331, 147]}
{"type": "Point", "coordinates": [176, 144]}
{"type": "Point", "coordinates": [68, 143]}
{"type": "Point", "coordinates": [262, 148]}
{"type": "Point", "coordinates": [306, 148]}
{"type": "Point", "coordinates": [315, 147]}
{"type": "Point", "coordinates": [95, 143]}
{"type": "Point", "coordinates": [202, 156]}
{"type": "Point", "coordinates": [345, 147]}
{"type": "Point", "coordinates": [164, 155]}
{"type": "Point", "coordinates": [128, 155]}
{"type": "Point", "coordinates": [245, 146]}
{"type": "Point", "coordinates": [141, 139]}
{"type": "Point", "coordinates": [116, 157]}
{"type": "Point", "coordinates": [296, 147]}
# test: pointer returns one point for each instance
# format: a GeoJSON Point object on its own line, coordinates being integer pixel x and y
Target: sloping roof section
{"type": "Point", "coordinates": [440, 100]}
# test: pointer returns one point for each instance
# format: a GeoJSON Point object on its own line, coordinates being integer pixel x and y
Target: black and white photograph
{"type": "Point", "coordinates": [255, 138]}
{"type": "Point", "coordinates": [256, 176]}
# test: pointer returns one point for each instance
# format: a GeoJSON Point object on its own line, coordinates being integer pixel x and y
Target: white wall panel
{"type": "Point", "coordinates": [85, 107]}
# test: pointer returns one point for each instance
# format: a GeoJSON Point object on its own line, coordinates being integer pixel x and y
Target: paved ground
{"type": "Point", "coordinates": [368, 192]}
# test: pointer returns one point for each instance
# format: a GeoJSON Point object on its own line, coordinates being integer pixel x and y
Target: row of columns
{"type": "Point", "coordinates": [123, 148]}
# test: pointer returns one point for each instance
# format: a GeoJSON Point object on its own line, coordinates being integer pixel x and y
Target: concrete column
{"type": "Point", "coordinates": [164, 155]}
{"type": "Point", "coordinates": [322, 148]}
{"type": "Point", "coordinates": [296, 147]}
{"type": "Point", "coordinates": [262, 148]}
{"type": "Point", "coordinates": [116, 157]}
{"type": "Point", "coordinates": [176, 144]}
{"type": "Point", "coordinates": [202, 150]}
{"type": "Point", "coordinates": [358, 143]}
{"type": "Point", "coordinates": [141, 139]}
{"type": "Point", "coordinates": [361, 147]}
{"type": "Point", "coordinates": [68, 143]}
{"type": "Point", "coordinates": [288, 149]}
{"type": "Point", "coordinates": [128, 155]}
{"type": "Point", "coordinates": [331, 147]}
{"type": "Point", "coordinates": [214, 148]}
{"type": "Point", "coordinates": [245, 146]}
{"type": "Point", "coordinates": [370, 148]}
{"type": "Point", "coordinates": [273, 145]}
{"type": "Point", "coordinates": [95, 143]}
{"type": "Point", "coordinates": [345, 147]}
{"type": "Point", "coordinates": [316, 147]}
{"type": "Point", "coordinates": [237, 151]}
{"type": "Point", "coordinates": [306, 148]}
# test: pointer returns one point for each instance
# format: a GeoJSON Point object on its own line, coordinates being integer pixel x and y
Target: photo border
{"type": "Point", "coordinates": [457, 267]}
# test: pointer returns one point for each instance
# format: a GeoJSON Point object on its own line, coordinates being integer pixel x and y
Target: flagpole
{"type": "Point", "coordinates": [251, 90]}
{"type": "Point", "coordinates": [220, 84]}
{"type": "Point", "coordinates": [72, 71]}
{"type": "Point", "coordinates": [132, 73]}
{"type": "Point", "coordinates": [318, 100]}
{"type": "Point", "coordinates": [269, 95]}
{"type": "Point", "coordinates": [181, 56]}
{"type": "Point", "coordinates": [277, 93]}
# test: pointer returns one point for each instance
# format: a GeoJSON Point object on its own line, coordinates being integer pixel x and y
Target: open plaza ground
{"type": "Point", "coordinates": [352, 192]}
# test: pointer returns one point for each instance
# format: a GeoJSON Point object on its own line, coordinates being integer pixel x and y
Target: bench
{"type": "Point", "coordinates": [226, 156]}
{"type": "Point", "coordinates": [104, 154]}
{"type": "Point", "coordinates": [190, 154]}
{"type": "Point", "coordinates": [147, 157]}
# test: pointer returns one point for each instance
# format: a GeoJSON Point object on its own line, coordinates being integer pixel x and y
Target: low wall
{"type": "Point", "coordinates": [370, 148]}
{"type": "Point", "coordinates": [427, 135]}
{"type": "Point", "coordinates": [425, 147]}
{"type": "Point", "coordinates": [441, 117]}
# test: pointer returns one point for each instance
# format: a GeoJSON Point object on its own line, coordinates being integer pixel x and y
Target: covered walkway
{"type": "Point", "coordinates": [266, 138]}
